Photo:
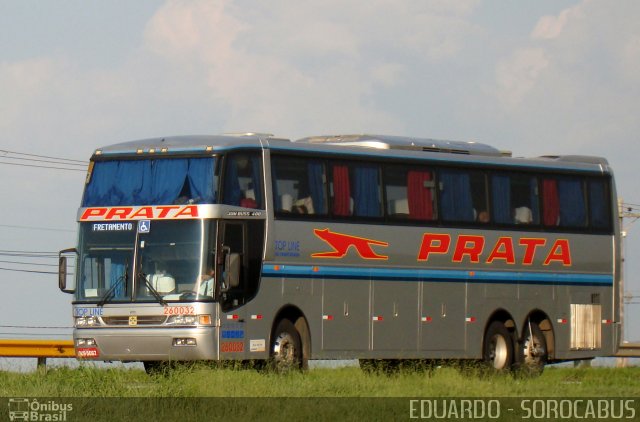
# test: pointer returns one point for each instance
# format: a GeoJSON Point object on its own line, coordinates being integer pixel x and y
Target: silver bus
{"type": "Point", "coordinates": [377, 248]}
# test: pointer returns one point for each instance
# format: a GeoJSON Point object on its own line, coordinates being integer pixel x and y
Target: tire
{"type": "Point", "coordinates": [532, 350]}
{"type": "Point", "coordinates": [155, 367]}
{"type": "Point", "coordinates": [497, 351]}
{"type": "Point", "coordinates": [286, 348]}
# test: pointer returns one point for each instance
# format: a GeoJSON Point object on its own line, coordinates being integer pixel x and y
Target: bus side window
{"type": "Point", "coordinates": [564, 202]}
{"type": "Point", "coordinates": [410, 193]}
{"type": "Point", "coordinates": [599, 204]}
{"type": "Point", "coordinates": [243, 181]}
{"type": "Point", "coordinates": [299, 186]}
{"type": "Point", "coordinates": [463, 196]}
{"type": "Point", "coordinates": [573, 202]}
{"type": "Point", "coordinates": [514, 199]}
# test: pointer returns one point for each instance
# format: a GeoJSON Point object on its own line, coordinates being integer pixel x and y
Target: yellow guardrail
{"type": "Point", "coordinates": [40, 349]}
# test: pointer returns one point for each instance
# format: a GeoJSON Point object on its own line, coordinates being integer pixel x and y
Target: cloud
{"type": "Point", "coordinates": [519, 74]}
{"type": "Point", "coordinates": [304, 60]}
{"type": "Point", "coordinates": [550, 27]}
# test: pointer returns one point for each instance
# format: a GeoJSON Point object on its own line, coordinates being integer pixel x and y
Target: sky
{"type": "Point", "coordinates": [533, 77]}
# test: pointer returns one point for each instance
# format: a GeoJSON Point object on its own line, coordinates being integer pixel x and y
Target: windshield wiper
{"type": "Point", "coordinates": [153, 291]}
{"type": "Point", "coordinates": [109, 294]}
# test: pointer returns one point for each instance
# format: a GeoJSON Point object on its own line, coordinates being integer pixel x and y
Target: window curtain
{"type": "Point", "coordinates": [117, 276]}
{"type": "Point", "coordinates": [315, 172]}
{"type": "Point", "coordinates": [366, 191]}
{"type": "Point", "coordinates": [200, 176]}
{"type": "Point", "coordinates": [277, 201]}
{"type": "Point", "coordinates": [232, 192]}
{"type": "Point", "coordinates": [457, 203]}
{"type": "Point", "coordinates": [598, 204]}
{"type": "Point", "coordinates": [419, 195]}
{"type": "Point", "coordinates": [98, 190]}
{"type": "Point", "coordinates": [149, 182]}
{"type": "Point", "coordinates": [256, 179]}
{"type": "Point", "coordinates": [168, 179]}
{"type": "Point", "coordinates": [501, 199]}
{"type": "Point", "coordinates": [341, 191]}
{"type": "Point", "coordinates": [535, 203]}
{"type": "Point", "coordinates": [572, 203]}
{"type": "Point", "coordinates": [550, 202]}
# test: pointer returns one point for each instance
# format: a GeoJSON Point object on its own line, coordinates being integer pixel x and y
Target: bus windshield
{"type": "Point", "coordinates": [148, 261]}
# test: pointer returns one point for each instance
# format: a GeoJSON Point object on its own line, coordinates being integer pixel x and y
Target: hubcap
{"type": "Point", "coordinates": [284, 351]}
{"type": "Point", "coordinates": [498, 352]}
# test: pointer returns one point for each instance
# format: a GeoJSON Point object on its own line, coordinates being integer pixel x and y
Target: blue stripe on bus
{"type": "Point", "coordinates": [401, 274]}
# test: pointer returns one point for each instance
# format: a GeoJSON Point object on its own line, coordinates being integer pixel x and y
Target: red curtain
{"type": "Point", "coordinates": [419, 195]}
{"type": "Point", "coordinates": [341, 191]}
{"type": "Point", "coordinates": [550, 202]}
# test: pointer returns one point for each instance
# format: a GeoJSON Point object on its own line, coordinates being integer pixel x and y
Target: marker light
{"type": "Point", "coordinates": [85, 342]}
{"type": "Point", "coordinates": [186, 341]}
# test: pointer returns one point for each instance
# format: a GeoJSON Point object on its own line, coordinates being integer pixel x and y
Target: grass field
{"type": "Point", "coordinates": [202, 381]}
{"type": "Point", "coordinates": [204, 393]}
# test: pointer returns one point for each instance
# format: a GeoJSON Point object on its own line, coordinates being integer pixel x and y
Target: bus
{"type": "Point", "coordinates": [258, 249]}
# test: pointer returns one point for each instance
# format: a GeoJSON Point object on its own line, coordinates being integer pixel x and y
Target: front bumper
{"type": "Point", "coordinates": [147, 344]}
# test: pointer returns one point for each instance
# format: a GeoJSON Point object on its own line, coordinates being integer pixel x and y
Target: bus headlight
{"type": "Point", "coordinates": [87, 321]}
{"type": "Point", "coordinates": [182, 320]}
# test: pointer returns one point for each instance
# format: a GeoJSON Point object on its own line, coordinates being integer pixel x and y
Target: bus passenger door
{"type": "Point", "coordinates": [238, 258]}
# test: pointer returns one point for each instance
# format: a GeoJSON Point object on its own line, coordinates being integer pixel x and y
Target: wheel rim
{"type": "Point", "coordinates": [498, 352]}
{"type": "Point", "coordinates": [284, 352]}
{"type": "Point", "coordinates": [534, 351]}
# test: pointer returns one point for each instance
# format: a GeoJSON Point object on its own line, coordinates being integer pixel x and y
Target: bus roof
{"type": "Point", "coordinates": [189, 144]}
{"type": "Point", "coordinates": [402, 148]}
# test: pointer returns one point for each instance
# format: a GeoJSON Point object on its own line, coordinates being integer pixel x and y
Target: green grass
{"type": "Point", "coordinates": [204, 393]}
{"type": "Point", "coordinates": [203, 381]}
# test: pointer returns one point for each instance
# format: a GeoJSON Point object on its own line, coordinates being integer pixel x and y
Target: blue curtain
{"type": "Point", "coordinates": [366, 192]}
{"type": "Point", "coordinates": [572, 204]}
{"type": "Point", "coordinates": [168, 179]}
{"type": "Point", "coordinates": [232, 192]}
{"type": "Point", "coordinates": [98, 190]}
{"type": "Point", "coordinates": [117, 276]}
{"type": "Point", "coordinates": [535, 203]}
{"type": "Point", "coordinates": [256, 179]}
{"type": "Point", "coordinates": [277, 203]}
{"type": "Point", "coordinates": [200, 176]}
{"type": "Point", "coordinates": [315, 172]}
{"type": "Point", "coordinates": [598, 204]}
{"type": "Point", "coordinates": [456, 200]}
{"type": "Point", "coordinates": [149, 182]}
{"type": "Point", "coordinates": [501, 199]}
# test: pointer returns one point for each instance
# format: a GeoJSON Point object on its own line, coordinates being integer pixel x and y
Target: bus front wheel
{"type": "Point", "coordinates": [286, 348]}
{"type": "Point", "coordinates": [498, 347]}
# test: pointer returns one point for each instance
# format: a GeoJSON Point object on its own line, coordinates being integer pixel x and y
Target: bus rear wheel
{"type": "Point", "coordinates": [532, 353]}
{"type": "Point", "coordinates": [498, 347]}
{"type": "Point", "coordinates": [286, 348]}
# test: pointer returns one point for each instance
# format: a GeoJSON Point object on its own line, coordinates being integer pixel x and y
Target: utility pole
{"type": "Point", "coordinates": [624, 212]}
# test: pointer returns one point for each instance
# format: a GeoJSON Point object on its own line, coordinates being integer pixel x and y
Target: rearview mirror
{"type": "Point", "coordinates": [231, 270]}
{"type": "Point", "coordinates": [67, 260]}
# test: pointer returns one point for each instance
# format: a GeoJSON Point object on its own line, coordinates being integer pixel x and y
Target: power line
{"type": "Point", "coordinates": [42, 156]}
{"type": "Point", "coordinates": [44, 167]}
{"type": "Point", "coordinates": [28, 271]}
{"type": "Point", "coordinates": [28, 263]}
